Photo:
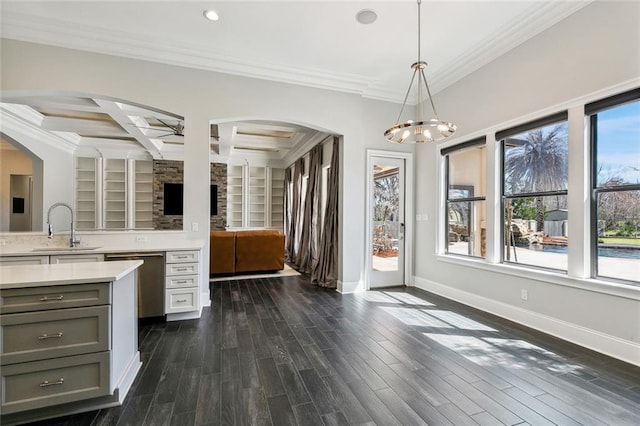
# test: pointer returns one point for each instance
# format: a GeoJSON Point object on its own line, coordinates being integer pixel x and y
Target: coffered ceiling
{"type": "Point", "coordinates": [312, 43]}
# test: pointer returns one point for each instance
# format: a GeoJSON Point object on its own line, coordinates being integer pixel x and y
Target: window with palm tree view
{"type": "Point", "coordinates": [534, 193]}
{"type": "Point", "coordinates": [615, 137]}
{"type": "Point", "coordinates": [465, 167]}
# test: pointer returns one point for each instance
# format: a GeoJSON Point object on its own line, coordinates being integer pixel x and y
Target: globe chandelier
{"type": "Point", "coordinates": [423, 128]}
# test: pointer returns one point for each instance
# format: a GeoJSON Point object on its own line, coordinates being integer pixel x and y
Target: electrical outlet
{"type": "Point", "coordinates": [418, 217]}
{"type": "Point", "coordinates": [141, 238]}
{"type": "Point", "coordinates": [194, 226]}
{"type": "Point", "coordinates": [524, 294]}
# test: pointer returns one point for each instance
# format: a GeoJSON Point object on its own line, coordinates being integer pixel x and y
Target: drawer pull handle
{"type": "Point", "coordinates": [47, 383]}
{"type": "Point", "coordinates": [181, 282]}
{"type": "Point", "coordinates": [182, 257]}
{"type": "Point", "coordinates": [50, 336]}
{"type": "Point", "coordinates": [47, 298]}
{"type": "Point", "coordinates": [182, 269]}
{"type": "Point", "coordinates": [181, 300]}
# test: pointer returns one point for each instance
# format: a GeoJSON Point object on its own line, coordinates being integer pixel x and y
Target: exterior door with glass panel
{"type": "Point", "coordinates": [387, 225]}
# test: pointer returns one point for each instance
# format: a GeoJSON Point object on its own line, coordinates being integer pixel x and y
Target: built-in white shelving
{"type": "Point", "coordinates": [255, 197]}
{"type": "Point", "coordinates": [113, 193]}
{"type": "Point", "coordinates": [85, 191]}
{"type": "Point", "coordinates": [143, 213]}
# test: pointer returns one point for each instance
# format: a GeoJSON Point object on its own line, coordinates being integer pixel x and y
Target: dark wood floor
{"type": "Point", "coordinates": [281, 351]}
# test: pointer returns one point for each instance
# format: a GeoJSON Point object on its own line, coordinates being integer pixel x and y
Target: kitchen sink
{"type": "Point", "coordinates": [65, 249]}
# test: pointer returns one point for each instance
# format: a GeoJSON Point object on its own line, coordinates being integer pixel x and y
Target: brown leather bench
{"type": "Point", "coordinates": [246, 251]}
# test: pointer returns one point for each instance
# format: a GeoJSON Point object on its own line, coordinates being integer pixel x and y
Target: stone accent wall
{"type": "Point", "coordinates": [219, 177]}
{"type": "Point", "coordinates": [165, 171]}
{"type": "Point", "coordinates": [168, 171]}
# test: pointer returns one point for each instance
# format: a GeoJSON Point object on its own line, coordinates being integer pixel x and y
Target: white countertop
{"type": "Point", "coordinates": [106, 248]}
{"type": "Point", "coordinates": [22, 276]}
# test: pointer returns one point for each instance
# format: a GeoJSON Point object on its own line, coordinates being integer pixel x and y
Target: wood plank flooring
{"type": "Point", "coordinates": [284, 352]}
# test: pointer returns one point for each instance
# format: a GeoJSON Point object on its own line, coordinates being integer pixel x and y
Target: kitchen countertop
{"type": "Point", "coordinates": [106, 248]}
{"type": "Point", "coordinates": [24, 276]}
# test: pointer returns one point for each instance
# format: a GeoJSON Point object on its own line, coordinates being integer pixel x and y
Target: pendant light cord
{"type": "Point", "coordinates": [419, 2]}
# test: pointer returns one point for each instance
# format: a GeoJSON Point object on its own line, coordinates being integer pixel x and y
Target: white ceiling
{"type": "Point", "coordinates": [313, 43]}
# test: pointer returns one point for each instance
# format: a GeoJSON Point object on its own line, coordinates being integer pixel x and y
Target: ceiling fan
{"type": "Point", "coordinates": [176, 129]}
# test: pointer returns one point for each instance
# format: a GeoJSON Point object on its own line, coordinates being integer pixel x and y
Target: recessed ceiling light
{"type": "Point", "coordinates": [366, 16]}
{"type": "Point", "coordinates": [211, 15]}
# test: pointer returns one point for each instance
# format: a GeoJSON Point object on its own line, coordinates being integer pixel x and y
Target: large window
{"type": "Point", "coordinates": [534, 193]}
{"type": "Point", "coordinates": [465, 215]}
{"type": "Point", "coordinates": [615, 143]}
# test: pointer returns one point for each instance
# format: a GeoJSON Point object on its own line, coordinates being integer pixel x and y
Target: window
{"type": "Point", "coordinates": [465, 215]}
{"type": "Point", "coordinates": [534, 193]}
{"type": "Point", "coordinates": [615, 177]}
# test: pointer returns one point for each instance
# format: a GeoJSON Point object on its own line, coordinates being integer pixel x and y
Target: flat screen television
{"type": "Point", "coordinates": [174, 196]}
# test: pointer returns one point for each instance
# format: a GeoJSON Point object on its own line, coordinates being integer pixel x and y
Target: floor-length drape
{"type": "Point", "coordinates": [325, 272]}
{"type": "Point", "coordinates": [307, 255]}
{"type": "Point", "coordinates": [288, 207]}
{"type": "Point", "coordinates": [293, 233]}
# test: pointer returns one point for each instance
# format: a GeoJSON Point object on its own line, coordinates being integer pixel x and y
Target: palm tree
{"type": "Point", "coordinates": [537, 164]}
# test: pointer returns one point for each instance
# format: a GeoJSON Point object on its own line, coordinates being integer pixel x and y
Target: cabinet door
{"type": "Point", "coordinates": [24, 260]}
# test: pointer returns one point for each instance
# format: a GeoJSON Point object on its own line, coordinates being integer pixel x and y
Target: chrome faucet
{"type": "Point", "coordinates": [72, 239]}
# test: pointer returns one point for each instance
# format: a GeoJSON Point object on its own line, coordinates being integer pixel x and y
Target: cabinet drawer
{"type": "Point", "coordinates": [51, 334]}
{"type": "Point", "coordinates": [76, 258]}
{"type": "Point", "coordinates": [181, 269]}
{"type": "Point", "coordinates": [54, 297]}
{"type": "Point", "coordinates": [181, 300]}
{"type": "Point", "coordinates": [182, 256]}
{"type": "Point", "coordinates": [32, 385]}
{"type": "Point", "coordinates": [179, 281]}
{"type": "Point", "coordinates": [23, 260]}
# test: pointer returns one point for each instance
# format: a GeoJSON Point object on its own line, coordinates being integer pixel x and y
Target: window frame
{"type": "Point", "coordinates": [445, 152]}
{"type": "Point", "coordinates": [500, 137]}
{"type": "Point", "coordinates": [591, 113]}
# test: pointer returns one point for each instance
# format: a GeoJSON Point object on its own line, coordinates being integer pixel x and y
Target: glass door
{"type": "Point", "coordinates": [387, 225]}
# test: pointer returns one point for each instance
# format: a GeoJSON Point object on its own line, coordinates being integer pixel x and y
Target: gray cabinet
{"type": "Point", "coordinates": [52, 355]}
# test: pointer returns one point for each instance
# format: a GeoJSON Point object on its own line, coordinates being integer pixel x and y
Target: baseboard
{"type": "Point", "coordinates": [185, 315]}
{"type": "Point", "coordinates": [205, 299]}
{"type": "Point", "coordinates": [606, 344]}
{"type": "Point", "coordinates": [128, 377]}
{"type": "Point", "coordinates": [346, 287]}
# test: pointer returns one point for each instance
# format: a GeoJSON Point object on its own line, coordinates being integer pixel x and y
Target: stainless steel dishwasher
{"type": "Point", "coordinates": [150, 281]}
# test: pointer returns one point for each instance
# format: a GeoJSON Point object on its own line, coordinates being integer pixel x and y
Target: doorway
{"type": "Point", "coordinates": [388, 230]}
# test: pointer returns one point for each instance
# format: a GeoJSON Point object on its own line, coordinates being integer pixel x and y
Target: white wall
{"type": "Point", "coordinates": [53, 178]}
{"type": "Point", "coordinates": [11, 163]}
{"type": "Point", "coordinates": [585, 55]}
{"type": "Point", "coordinates": [201, 97]}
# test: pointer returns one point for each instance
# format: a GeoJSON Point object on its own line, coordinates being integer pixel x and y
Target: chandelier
{"type": "Point", "coordinates": [423, 128]}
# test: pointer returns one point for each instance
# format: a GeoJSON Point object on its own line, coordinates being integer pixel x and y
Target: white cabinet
{"type": "Point", "coordinates": [58, 258]}
{"type": "Point", "coordinates": [182, 281]}
{"type": "Point", "coordinates": [76, 258]}
{"type": "Point", "coordinates": [23, 260]}
{"type": "Point", "coordinates": [255, 197]}
{"type": "Point", "coordinates": [113, 193]}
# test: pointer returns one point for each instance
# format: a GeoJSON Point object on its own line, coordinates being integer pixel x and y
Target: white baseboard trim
{"type": "Point", "coordinates": [609, 345]}
{"type": "Point", "coordinates": [205, 298]}
{"type": "Point", "coordinates": [128, 377]}
{"type": "Point", "coordinates": [346, 287]}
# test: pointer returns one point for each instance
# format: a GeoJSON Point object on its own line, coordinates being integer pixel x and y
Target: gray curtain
{"type": "Point", "coordinates": [293, 233]}
{"type": "Point", "coordinates": [325, 272]}
{"type": "Point", "coordinates": [307, 255]}
{"type": "Point", "coordinates": [288, 206]}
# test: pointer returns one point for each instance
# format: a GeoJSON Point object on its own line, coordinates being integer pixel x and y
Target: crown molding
{"type": "Point", "coordinates": [12, 123]}
{"type": "Point", "coordinates": [73, 35]}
